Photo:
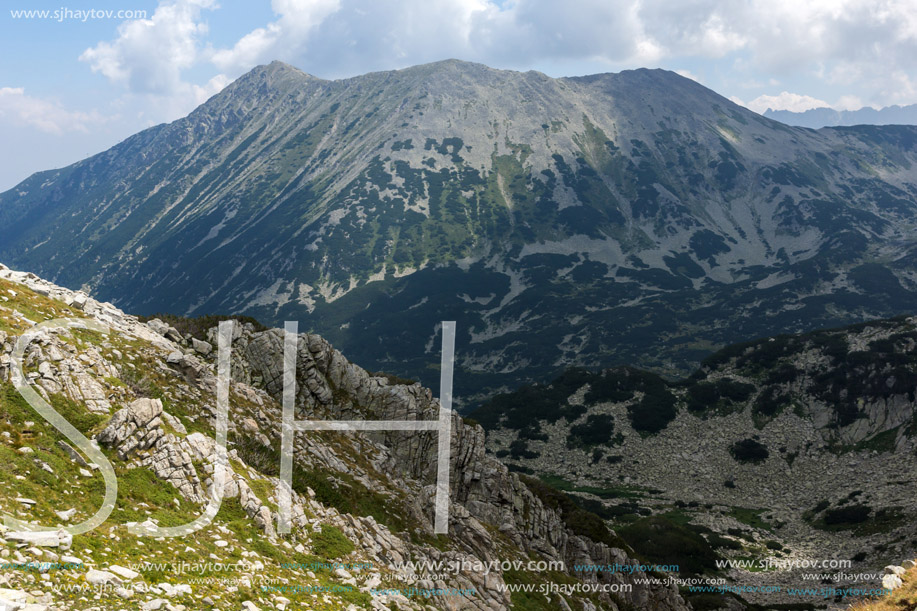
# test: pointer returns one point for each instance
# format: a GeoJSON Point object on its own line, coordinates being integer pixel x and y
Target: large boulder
{"type": "Point", "coordinates": [135, 427]}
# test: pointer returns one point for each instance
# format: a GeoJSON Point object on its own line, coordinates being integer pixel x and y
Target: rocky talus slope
{"type": "Point", "coordinates": [783, 450]}
{"type": "Point", "coordinates": [362, 503]}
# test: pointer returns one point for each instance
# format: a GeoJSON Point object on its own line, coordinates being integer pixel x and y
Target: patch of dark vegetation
{"type": "Point", "coordinates": [660, 540]}
{"type": "Point", "coordinates": [577, 519]}
{"type": "Point", "coordinates": [394, 380]}
{"type": "Point", "coordinates": [519, 448]}
{"type": "Point", "coordinates": [741, 533]}
{"type": "Point", "coordinates": [198, 326]}
{"type": "Point", "coordinates": [651, 413]}
{"type": "Point", "coordinates": [518, 409]}
{"type": "Point", "coordinates": [684, 265]}
{"type": "Point", "coordinates": [718, 541]}
{"type": "Point", "coordinates": [723, 393]}
{"type": "Point", "coordinates": [256, 455]}
{"type": "Point", "coordinates": [860, 518]}
{"type": "Point", "coordinates": [533, 431]}
{"type": "Point", "coordinates": [749, 450]}
{"type": "Point", "coordinates": [847, 516]}
{"type": "Point", "coordinates": [755, 355]}
{"type": "Point", "coordinates": [783, 374]}
{"type": "Point", "coordinates": [402, 144]}
{"type": "Point", "coordinates": [706, 245]}
{"type": "Point", "coordinates": [770, 402]}
{"type": "Point", "coordinates": [597, 429]}
{"type": "Point", "coordinates": [886, 369]}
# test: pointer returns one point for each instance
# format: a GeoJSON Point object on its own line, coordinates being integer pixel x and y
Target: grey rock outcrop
{"type": "Point", "coordinates": [483, 490]}
{"type": "Point", "coordinates": [133, 428]}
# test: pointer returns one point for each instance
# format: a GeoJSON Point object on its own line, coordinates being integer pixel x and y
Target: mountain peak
{"type": "Point", "coordinates": [274, 73]}
{"type": "Point", "coordinates": [640, 185]}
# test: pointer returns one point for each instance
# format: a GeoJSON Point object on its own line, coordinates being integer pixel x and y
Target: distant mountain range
{"type": "Point", "coordinates": [617, 218]}
{"type": "Point", "coordinates": [825, 117]}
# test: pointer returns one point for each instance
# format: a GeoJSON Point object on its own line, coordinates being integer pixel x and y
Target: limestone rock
{"type": "Point", "coordinates": [60, 538]}
{"type": "Point", "coordinates": [97, 577]}
{"type": "Point", "coordinates": [72, 453]}
{"type": "Point", "coordinates": [135, 427]}
{"type": "Point", "coordinates": [891, 582]}
{"type": "Point", "coordinates": [201, 347]}
{"type": "Point", "coordinates": [123, 572]}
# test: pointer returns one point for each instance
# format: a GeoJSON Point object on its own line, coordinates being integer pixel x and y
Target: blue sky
{"type": "Point", "coordinates": [72, 85]}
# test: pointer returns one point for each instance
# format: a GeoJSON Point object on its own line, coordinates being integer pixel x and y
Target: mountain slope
{"type": "Point", "coordinates": [782, 451]}
{"type": "Point", "coordinates": [632, 217]}
{"type": "Point", "coordinates": [362, 531]}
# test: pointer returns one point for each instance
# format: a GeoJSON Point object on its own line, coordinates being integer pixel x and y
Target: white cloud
{"type": "Point", "coordinates": [149, 58]}
{"type": "Point", "coordinates": [48, 116]}
{"type": "Point", "coordinates": [149, 55]}
{"type": "Point", "coordinates": [282, 38]}
{"type": "Point", "coordinates": [689, 74]}
{"type": "Point", "coordinates": [898, 87]}
{"type": "Point", "coordinates": [785, 101]}
{"type": "Point", "coordinates": [836, 42]}
{"type": "Point", "coordinates": [346, 37]}
{"type": "Point", "coordinates": [849, 102]}
{"type": "Point", "coordinates": [857, 45]}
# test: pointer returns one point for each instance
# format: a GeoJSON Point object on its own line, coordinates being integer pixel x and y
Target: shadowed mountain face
{"type": "Point", "coordinates": [619, 218]}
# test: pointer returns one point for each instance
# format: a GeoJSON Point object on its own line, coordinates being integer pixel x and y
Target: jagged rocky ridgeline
{"type": "Point", "coordinates": [145, 393]}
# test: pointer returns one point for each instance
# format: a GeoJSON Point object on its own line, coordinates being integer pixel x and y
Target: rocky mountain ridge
{"type": "Point", "coordinates": [145, 393]}
{"type": "Point", "coordinates": [634, 217]}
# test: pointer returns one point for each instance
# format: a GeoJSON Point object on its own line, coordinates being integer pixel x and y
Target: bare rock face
{"type": "Point", "coordinates": [138, 427]}
{"type": "Point", "coordinates": [483, 491]}
{"type": "Point", "coordinates": [135, 427]}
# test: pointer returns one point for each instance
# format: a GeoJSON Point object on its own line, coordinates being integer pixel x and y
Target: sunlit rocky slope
{"type": "Point", "coordinates": [362, 503]}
